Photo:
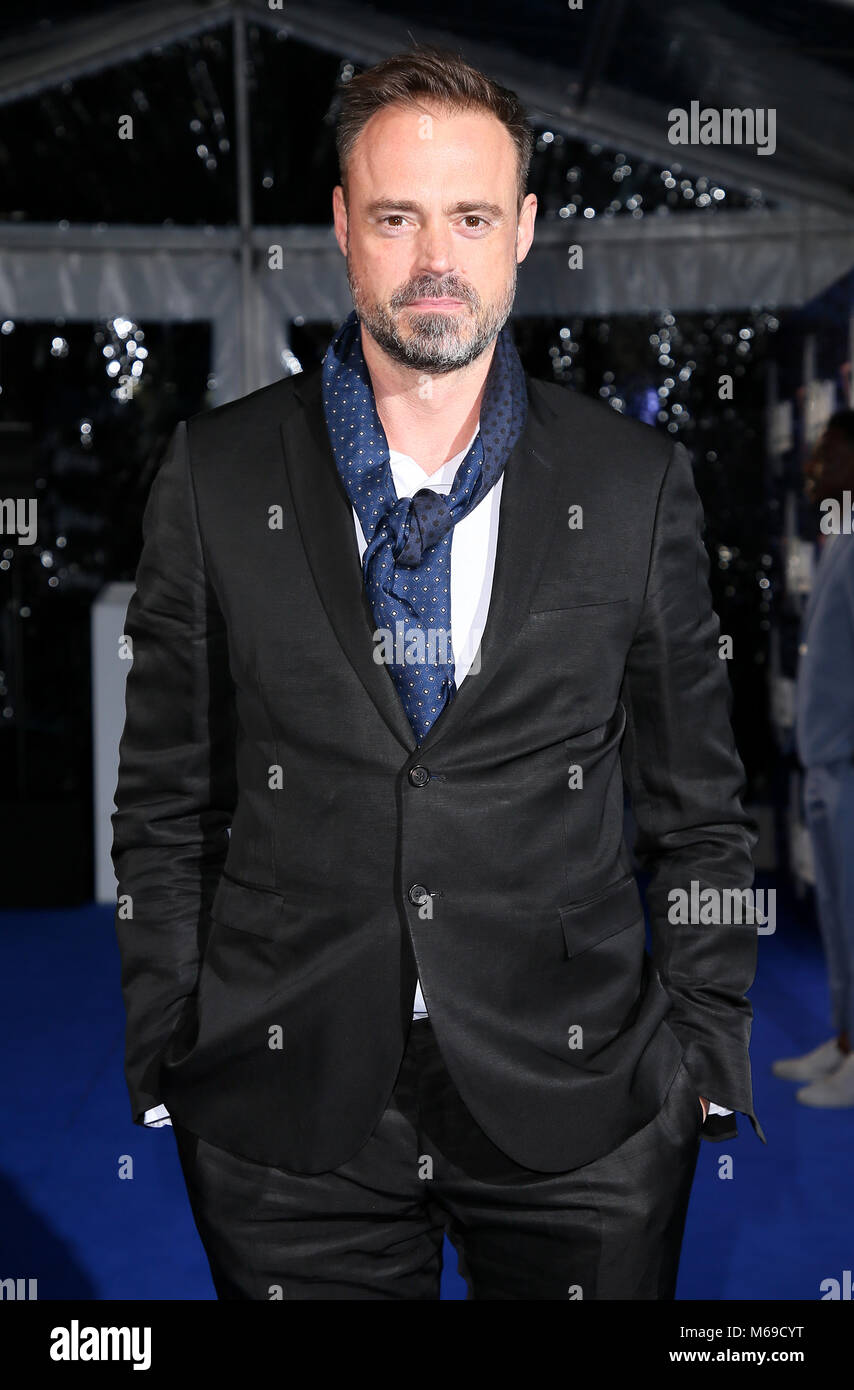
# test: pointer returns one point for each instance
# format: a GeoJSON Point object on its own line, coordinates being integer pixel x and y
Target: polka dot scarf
{"type": "Point", "coordinates": [407, 562]}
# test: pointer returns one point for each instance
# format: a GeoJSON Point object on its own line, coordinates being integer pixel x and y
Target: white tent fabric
{"type": "Point", "coordinates": [180, 274]}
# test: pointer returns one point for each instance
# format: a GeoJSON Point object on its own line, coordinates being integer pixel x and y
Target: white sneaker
{"type": "Point", "coordinates": [834, 1092]}
{"type": "Point", "coordinates": [812, 1065]}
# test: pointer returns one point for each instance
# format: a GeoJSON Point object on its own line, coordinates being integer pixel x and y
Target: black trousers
{"type": "Point", "coordinates": [373, 1228]}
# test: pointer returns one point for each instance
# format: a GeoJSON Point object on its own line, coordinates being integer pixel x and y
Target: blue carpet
{"type": "Point", "coordinates": [775, 1230]}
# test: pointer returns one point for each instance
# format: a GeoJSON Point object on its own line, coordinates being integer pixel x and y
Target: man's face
{"type": "Point", "coordinates": [431, 233]}
{"type": "Point", "coordinates": [829, 470]}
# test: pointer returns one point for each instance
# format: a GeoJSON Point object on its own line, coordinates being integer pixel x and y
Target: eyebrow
{"type": "Point", "coordinates": [408, 205]}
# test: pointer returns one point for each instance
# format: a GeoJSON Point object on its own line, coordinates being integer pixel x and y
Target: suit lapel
{"type": "Point", "coordinates": [325, 519]}
{"type": "Point", "coordinates": [526, 516]}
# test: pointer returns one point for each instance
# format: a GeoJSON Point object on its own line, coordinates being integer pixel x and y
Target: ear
{"type": "Point", "coordinates": [525, 228]}
{"type": "Point", "coordinates": [339, 217]}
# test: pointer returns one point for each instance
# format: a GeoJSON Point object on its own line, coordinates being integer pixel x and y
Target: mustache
{"type": "Point", "coordinates": [430, 291]}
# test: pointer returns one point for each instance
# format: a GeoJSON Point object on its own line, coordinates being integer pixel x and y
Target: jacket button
{"type": "Point", "coordinates": [418, 894]}
{"type": "Point", "coordinates": [419, 776]}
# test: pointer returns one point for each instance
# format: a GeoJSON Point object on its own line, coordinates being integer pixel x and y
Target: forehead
{"type": "Point", "coordinates": [427, 143]}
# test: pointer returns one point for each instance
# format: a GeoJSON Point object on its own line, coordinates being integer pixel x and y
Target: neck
{"type": "Point", "coordinates": [430, 425]}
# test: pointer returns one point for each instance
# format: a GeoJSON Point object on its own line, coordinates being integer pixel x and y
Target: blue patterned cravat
{"type": "Point", "coordinates": [407, 562]}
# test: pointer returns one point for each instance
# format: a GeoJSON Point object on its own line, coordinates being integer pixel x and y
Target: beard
{"type": "Point", "coordinates": [436, 341]}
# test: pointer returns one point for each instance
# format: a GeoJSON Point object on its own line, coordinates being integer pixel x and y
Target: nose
{"type": "Point", "coordinates": [434, 253]}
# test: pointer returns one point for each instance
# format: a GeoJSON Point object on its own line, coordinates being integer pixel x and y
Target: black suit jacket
{"type": "Point", "coordinates": [282, 873]}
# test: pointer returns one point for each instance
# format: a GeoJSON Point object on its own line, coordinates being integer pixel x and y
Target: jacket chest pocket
{"type": "Point", "coordinates": [592, 590]}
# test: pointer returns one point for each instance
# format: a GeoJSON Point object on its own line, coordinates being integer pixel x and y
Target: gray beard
{"type": "Point", "coordinates": [435, 344]}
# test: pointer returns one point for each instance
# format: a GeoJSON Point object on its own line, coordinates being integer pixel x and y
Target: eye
{"type": "Point", "coordinates": [476, 217]}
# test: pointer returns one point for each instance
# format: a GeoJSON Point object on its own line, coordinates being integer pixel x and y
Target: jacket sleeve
{"type": "Point", "coordinates": [176, 787]}
{"type": "Point", "coordinates": [685, 781]}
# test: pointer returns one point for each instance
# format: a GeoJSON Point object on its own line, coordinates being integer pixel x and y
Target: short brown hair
{"type": "Point", "coordinates": [447, 79]}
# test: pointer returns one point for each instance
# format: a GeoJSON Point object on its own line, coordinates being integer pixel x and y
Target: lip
{"type": "Point", "coordinates": [435, 304]}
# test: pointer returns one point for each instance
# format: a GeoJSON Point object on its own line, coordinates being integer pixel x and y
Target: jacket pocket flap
{"type": "Point", "coordinates": [258, 910]}
{"type": "Point", "coordinates": [582, 591]}
{"type": "Point", "coordinates": [595, 919]}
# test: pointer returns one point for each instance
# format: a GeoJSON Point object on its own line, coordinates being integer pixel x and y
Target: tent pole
{"type": "Point", "coordinates": [244, 206]}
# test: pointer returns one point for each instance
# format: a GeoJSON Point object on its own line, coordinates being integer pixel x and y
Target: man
{"type": "Point", "coordinates": [824, 729]}
{"type": "Point", "coordinates": [402, 625]}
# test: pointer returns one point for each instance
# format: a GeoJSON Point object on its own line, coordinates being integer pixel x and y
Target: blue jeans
{"type": "Point", "coordinates": [829, 811]}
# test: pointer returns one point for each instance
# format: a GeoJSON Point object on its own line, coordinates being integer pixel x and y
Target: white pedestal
{"type": "Point", "coordinates": [109, 673]}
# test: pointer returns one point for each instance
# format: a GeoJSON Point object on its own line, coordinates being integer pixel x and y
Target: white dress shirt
{"type": "Point", "coordinates": [473, 548]}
